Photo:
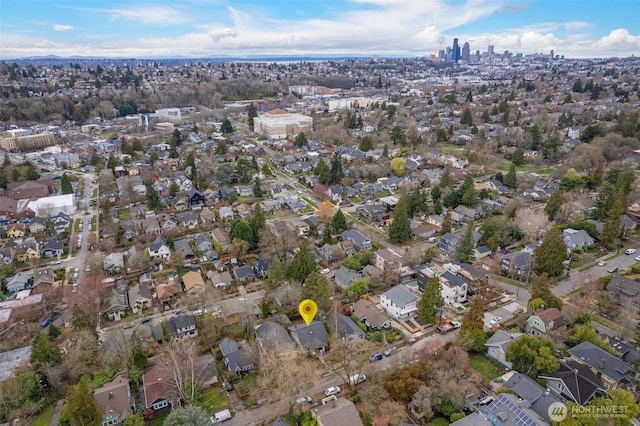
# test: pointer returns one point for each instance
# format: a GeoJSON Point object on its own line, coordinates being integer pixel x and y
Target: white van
{"type": "Point", "coordinates": [356, 379]}
{"type": "Point", "coordinates": [221, 416]}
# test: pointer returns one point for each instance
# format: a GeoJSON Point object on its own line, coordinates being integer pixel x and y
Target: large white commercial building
{"type": "Point", "coordinates": [280, 124]}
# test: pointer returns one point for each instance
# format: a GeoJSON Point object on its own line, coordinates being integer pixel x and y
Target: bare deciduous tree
{"type": "Point", "coordinates": [181, 368]}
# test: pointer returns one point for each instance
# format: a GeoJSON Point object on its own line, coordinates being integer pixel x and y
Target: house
{"type": "Point", "coordinates": [608, 367]}
{"type": "Point", "coordinates": [118, 304]}
{"type": "Point", "coordinates": [449, 243]}
{"type": "Point", "coordinates": [454, 288]}
{"type": "Point", "coordinates": [166, 292]}
{"type": "Point", "coordinates": [226, 213]}
{"type": "Point", "coordinates": [312, 338]}
{"type": "Point", "coordinates": [372, 213]}
{"type": "Point", "coordinates": [51, 247]}
{"type": "Point", "coordinates": [115, 401]}
{"type": "Point", "coordinates": [189, 220]}
{"type": "Point", "coordinates": [157, 390]}
{"type": "Point", "coordinates": [531, 393]}
{"type": "Point", "coordinates": [337, 412]}
{"type": "Point", "coordinates": [18, 282]}
{"type": "Point", "coordinates": [576, 239]}
{"type": "Point", "coordinates": [195, 197]}
{"type": "Point", "coordinates": [182, 326]}
{"type": "Point", "coordinates": [113, 263]}
{"type": "Point", "coordinates": [346, 328]}
{"type": "Point", "coordinates": [517, 263]}
{"type": "Point", "coordinates": [203, 243]}
{"type": "Point", "coordinates": [425, 230]}
{"type": "Point", "coordinates": [272, 336]}
{"type": "Point", "coordinates": [360, 242]}
{"type": "Point", "coordinates": [168, 222]}
{"type": "Point", "coordinates": [140, 297]}
{"type": "Point", "coordinates": [575, 382]}
{"type": "Point", "coordinates": [184, 247]}
{"type": "Point", "coordinates": [344, 277]}
{"type": "Point", "coordinates": [626, 350]}
{"type": "Point", "coordinates": [222, 238]}
{"type": "Point", "coordinates": [399, 302]}
{"type": "Point", "coordinates": [220, 279]}
{"type": "Point", "coordinates": [506, 409]}
{"type": "Point", "coordinates": [159, 249]}
{"type": "Point", "coordinates": [373, 316]}
{"type": "Point", "coordinates": [38, 225]}
{"type": "Point", "coordinates": [497, 346]}
{"type": "Point", "coordinates": [237, 357]}
{"type": "Point", "coordinates": [193, 282]}
{"type": "Point", "coordinates": [244, 273]}
{"type": "Point", "coordinates": [28, 250]}
{"type": "Point", "coordinates": [544, 321]}
{"type": "Point", "coordinates": [624, 291]}
{"type": "Point", "coordinates": [16, 230]}
{"type": "Point", "coordinates": [387, 260]}
{"type": "Point", "coordinates": [60, 221]}
{"type": "Point", "coordinates": [43, 277]}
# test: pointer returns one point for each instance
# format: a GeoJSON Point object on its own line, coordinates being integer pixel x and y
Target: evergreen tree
{"type": "Point", "coordinates": [323, 172]}
{"type": "Point", "coordinates": [511, 178]}
{"type": "Point", "coordinates": [301, 140]}
{"type": "Point", "coordinates": [446, 180]}
{"type": "Point", "coordinates": [241, 229]}
{"type": "Point", "coordinates": [252, 113]}
{"type": "Point", "coordinates": [326, 235]}
{"type": "Point", "coordinates": [431, 300]}
{"type": "Point", "coordinates": [65, 185]}
{"type": "Point", "coordinates": [153, 157]}
{"type": "Point", "coordinates": [44, 350]}
{"type": "Point", "coordinates": [303, 263]}
{"type": "Point", "coordinates": [474, 318]}
{"type": "Point", "coordinates": [111, 162]}
{"type": "Point", "coordinates": [466, 117]}
{"type": "Point", "coordinates": [16, 175]}
{"type": "Point", "coordinates": [517, 157]}
{"type": "Point", "coordinates": [257, 188]}
{"type": "Point", "coordinates": [176, 138]}
{"type": "Point", "coordinates": [400, 228]}
{"type": "Point", "coordinates": [554, 204]}
{"type": "Point", "coordinates": [465, 249]}
{"type": "Point", "coordinates": [336, 173]}
{"type": "Point", "coordinates": [189, 415]}
{"type": "Point", "coordinates": [447, 223]}
{"type": "Point", "coordinates": [32, 173]}
{"type": "Point", "coordinates": [154, 203]}
{"type": "Point", "coordinates": [551, 254]}
{"type": "Point", "coordinates": [366, 144]}
{"type": "Point", "coordinates": [437, 207]}
{"type": "Point", "coordinates": [226, 127]}
{"type": "Point", "coordinates": [257, 221]}
{"type": "Point", "coordinates": [81, 409]}
{"type": "Point", "coordinates": [221, 148]}
{"type": "Point", "coordinates": [468, 193]}
{"type": "Point", "coordinates": [436, 192]}
{"type": "Point", "coordinates": [276, 274]}
{"type": "Point", "coordinates": [541, 289]}
{"type": "Point", "coordinates": [385, 151]}
{"type": "Point", "coordinates": [317, 288]}
{"type": "Point", "coordinates": [339, 222]}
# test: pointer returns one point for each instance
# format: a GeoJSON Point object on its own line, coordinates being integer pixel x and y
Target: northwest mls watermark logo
{"type": "Point", "coordinates": [558, 411]}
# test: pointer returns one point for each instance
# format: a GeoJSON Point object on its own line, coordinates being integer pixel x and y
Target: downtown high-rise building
{"type": "Point", "coordinates": [455, 51]}
{"type": "Point", "coordinates": [466, 53]}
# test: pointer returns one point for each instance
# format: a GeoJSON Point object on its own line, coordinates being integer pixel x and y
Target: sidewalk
{"type": "Point", "coordinates": [56, 413]}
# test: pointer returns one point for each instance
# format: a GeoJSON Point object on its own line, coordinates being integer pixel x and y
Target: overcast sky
{"type": "Point", "coordinates": [241, 28]}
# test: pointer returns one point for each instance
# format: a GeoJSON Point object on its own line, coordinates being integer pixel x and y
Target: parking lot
{"type": "Point", "coordinates": [505, 312]}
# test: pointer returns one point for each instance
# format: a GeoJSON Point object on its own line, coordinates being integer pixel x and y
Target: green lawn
{"type": "Point", "coordinates": [124, 214]}
{"type": "Point", "coordinates": [214, 399]}
{"type": "Point", "coordinates": [528, 168]}
{"type": "Point", "coordinates": [44, 417]}
{"type": "Point", "coordinates": [485, 367]}
{"type": "Point", "coordinates": [439, 421]}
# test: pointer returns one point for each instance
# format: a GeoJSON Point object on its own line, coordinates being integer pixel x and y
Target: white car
{"type": "Point", "coordinates": [333, 390]}
{"type": "Point", "coordinates": [325, 271]}
{"type": "Point", "coordinates": [496, 321]}
{"type": "Point", "coordinates": [638, 258]}
{"type": "Point", "coordinates": [602, 263]}
{"type": "Point", "coordinates": [630, 251]}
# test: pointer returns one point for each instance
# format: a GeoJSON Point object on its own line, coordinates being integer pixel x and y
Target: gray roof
{"type": "Point", "coordinates": [502, 338]}
{"type": "Point", "coordinates": [273, 336]}
{"type": "Point", "coordinates": [181, 321]}
{"type": "Point", "coordinates": [600, 360]}
{"type": "Point", "coordinates": [157, 243]}
{"type": "Point", "coordinates": [345, 327]}
{"type": "Point", "coordinates": [629, 353]}
{"type": "Point", "coordinates": [532, 392]}
{"type": "Point", "coordinates": [400, 295]}
{"type": "Point", "coordinates": [580, 381]}
{"type": "Point", "coordinates": [228, 346]}
{"type": "Point", "coordinates": [312, 336]}
{"type": "Point", "coordinates": [506, 410]}
{"type": "Point", "coordinates": [345, 276]}
{"type": "Point", "coordinates": [622, 284]}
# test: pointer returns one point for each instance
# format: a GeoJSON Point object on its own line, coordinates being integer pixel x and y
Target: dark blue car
{"type": "Point", "coordinates": [45, 322]}
{"type": "Point", "coordinates": [375, 357]}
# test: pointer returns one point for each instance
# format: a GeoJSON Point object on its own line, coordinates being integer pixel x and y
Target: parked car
{"type": "Point", "coordinates": [375, 357]}
{"type": "Point", "coordinates": [304, 399]}
{"type": "Point", "coordinates": [630, 251]}
{"type": "Point", "coordinates": [145, 320]}
{"type": "Point", "coordinates": [602, 263]}
{"type": "Point", "coordinates": [638, 258]}
{"type": "Point", "coordinates": [333, 390]}
{"type": "Point", "coordinates": [496, 321]}
{"type": "Point", "coordinates": [612, 270]}
{"type": "Point", "coordinates": [45, 322]}
{"type": "Point", "coordinates": [325, 271]}
{"type": "Point", "coordinates": [389, 351]}
{"type": "Point", "coordinates": [221, 416]}
{"type": "Point", "coordinates": [128, 325]}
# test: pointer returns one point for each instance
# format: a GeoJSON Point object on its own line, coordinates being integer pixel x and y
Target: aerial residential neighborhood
{"type": "Point", "coordinates": [468, 231]}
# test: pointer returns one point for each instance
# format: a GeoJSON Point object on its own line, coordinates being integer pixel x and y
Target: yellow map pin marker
{"type": "Point", "coordinates": [308, 309]}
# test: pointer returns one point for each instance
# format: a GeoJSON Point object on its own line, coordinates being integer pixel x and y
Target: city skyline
{"type": "Point", "coordinates": [244, 28]}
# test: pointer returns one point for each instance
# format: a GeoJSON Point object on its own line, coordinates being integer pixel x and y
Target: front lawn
{"type": "Point", "coordinates": [124, 214]}
{"type": "Point", "coordinates": [485, 367]}
{"type": "Point", "coordinates": [214, 399]}
{"type": "Point", "coordinates": [44, 417]}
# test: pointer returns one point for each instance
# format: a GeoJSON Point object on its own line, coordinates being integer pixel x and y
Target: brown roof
{"type": "Point", "coordinates": [8, 204]}
{"type": "Point", "coordinates": [365, 309]}
{"type": "Point", "coordinates": [155, 385]}
{"type": "Point", "coordinates": [551, 314]}
{"type": "Point", "coordinates": [191, 280]}
{"type": "Point", "coordinates": [168, 290]}
{"type": "Point", "coordinates": [114, 397]}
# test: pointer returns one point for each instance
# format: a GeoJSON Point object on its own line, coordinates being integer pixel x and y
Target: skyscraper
{"type": "Point", "coordinates": [466, 52]}
{"type": "Point", "coordinates": [490, 50]}
{"type": "Point", "coordinates": [455, 51]}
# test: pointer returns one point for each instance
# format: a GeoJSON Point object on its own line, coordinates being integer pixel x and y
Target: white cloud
{"type": "Point", "coordinates": [62, 27]}
{"type": "Point", "coordinates": [218, 34]}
